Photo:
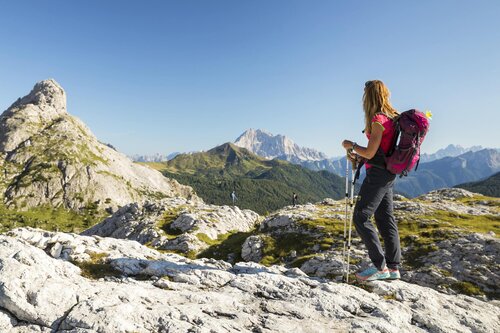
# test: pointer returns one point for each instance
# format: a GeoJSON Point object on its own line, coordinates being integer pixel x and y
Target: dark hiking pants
{"type": "Point", "coordinates": [375, 197]}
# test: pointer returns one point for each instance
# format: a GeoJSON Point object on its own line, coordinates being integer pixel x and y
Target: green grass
{"type": "Point", "coordinates": [168, 217]}
{"type": "Point", "coordinates": [159, 166]}
{"type": "Point", "coordinates": [420, 233]}
{"type": "Point", "coordinates": [302, 259]}
{"type": "Point", "coordinates": [277, 248]}
{"type": "Point", "coordinates": [467, 288]}
{"type": "Point", "coordinates": [97, 267]}
{"type": "Point", "coordinates": [390, 297]}
{"type": "Point", "coordinates": [229, 243]}
{"type": "Point", "coordinates": [205, 239]}
{"type": "Point", "coordinates": [472, 223]}
{"type": "Point", "coordinates": [324, 225]}
{"type": "Point", "coordinates": [50, 218]}
{"type": "Point", "coordinates": [190, 254]}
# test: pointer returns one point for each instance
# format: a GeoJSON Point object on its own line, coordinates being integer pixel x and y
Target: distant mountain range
{"type": "Point", "coordinates": [450, 171]}
{"type": "Point", "coordinates": [447, 167]}
{"type": "Point", "coordinates": [153, 158]}
{"type": "Point", "coordinates": [271, 146]}
{"type": "Point", "coordinates": [458, 164]}
{"type": "Point", "coordinates": [450, 151]}
{"type": "Point", "coordinates": [261, 184]}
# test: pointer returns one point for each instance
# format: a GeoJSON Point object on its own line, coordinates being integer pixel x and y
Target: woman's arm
{"type": "Point", "coordinates": [373, 143]}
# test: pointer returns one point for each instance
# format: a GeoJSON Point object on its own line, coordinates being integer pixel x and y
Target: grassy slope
{"type": "Point", "coordinates": [50, 218]}
{"type": "Point", "coordinates": [261, 185]}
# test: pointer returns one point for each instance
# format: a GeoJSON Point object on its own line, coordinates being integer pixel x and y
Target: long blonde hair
{"type": "Point", "coordinates": [376, 100]}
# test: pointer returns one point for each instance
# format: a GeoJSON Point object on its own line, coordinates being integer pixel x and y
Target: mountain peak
{"type": "Point", "coordinates": [50, 157]}
{"type": "Point", "coordinates": [270, 146]}
{"type": "Point", "coordinates": [46, 93]}
{"type": "Point", "coordinates": [45, 103]}
{"type": "Point", "coordinates": [229, 148]}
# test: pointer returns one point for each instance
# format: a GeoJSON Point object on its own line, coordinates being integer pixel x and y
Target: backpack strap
{"type": "Point", "coordinates": [358, 171]}
{"type": "Point", "coordinates": [397, 131]}
{"type": "Point", "coordinates": [418, 161]}
{"type": "Point", "coordinates": [405, 171]}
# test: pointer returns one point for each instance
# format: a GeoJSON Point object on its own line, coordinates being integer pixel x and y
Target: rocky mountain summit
{"type": "Point", "coordinates": [271, 146]}
{"type": "Point", "coordinates": [49, 157]}
{"type": "Point", "coordinates": [59, 282]}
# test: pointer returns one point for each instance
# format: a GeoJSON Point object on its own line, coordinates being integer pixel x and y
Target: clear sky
{"type": "Point", "coordinates": [164, 76]}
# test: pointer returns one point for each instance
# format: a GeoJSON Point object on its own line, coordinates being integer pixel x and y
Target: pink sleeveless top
{"type": "Point", "coordinates": [387, 135]}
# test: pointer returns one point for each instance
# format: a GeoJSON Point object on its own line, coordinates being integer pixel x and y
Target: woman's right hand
{"type": "Point", "coordinates": [352, 156]}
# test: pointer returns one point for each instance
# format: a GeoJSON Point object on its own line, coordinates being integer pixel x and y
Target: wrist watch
{"type": "Point", "coordinates": [354, 146]}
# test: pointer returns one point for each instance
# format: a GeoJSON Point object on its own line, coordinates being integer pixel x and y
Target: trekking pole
{"type": "Point", "coordinates": [351, 204]}
{"type": "Point", "coordinates": [345, 219]}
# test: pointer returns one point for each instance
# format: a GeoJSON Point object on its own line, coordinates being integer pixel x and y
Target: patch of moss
{"type": "Point", "coordinates": [444, 272]}
{"type": "Point", "coordinates": [190, 254]}
{"type": "Point", "coordinates": [277, 248]}
{"type": "Point", "coordinates": [390, 297]}
{"type": "Point", "coordinates": [415, 255]}
{"type": "Point", "coordinates": [467, 288]}
{"type": "Point", "coordinates": [362, 285]}
{"type": "Point", "coordinates": [168, 217]}
{"type": "Point", "coordinates": [204, 238]}
{"type": "Point", "coordinates": [490, 201]}
{"type": "Point", "coordinates": [97, 267]}
{"type": "Point", "coordinates": [230, 243]}
{"type": "Point", "coordinates": [301, 260]}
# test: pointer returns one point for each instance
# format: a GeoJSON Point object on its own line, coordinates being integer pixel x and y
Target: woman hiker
{"type": "Point", "coordinates": [375, 195]}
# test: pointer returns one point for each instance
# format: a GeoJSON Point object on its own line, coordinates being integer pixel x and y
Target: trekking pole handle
{"type": "Point", "coordinates": [354, 163]}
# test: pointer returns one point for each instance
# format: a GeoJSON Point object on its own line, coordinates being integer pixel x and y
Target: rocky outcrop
{"type": "Point", "coordinates": [49, 157]}
{"type": "Point", "coordinates": [439, 246]}
{"type": "Point", "coordinates": [252, 249]}
{"type": "Point", "coordinates": [147, 291]}
{"type": "Point", "coordinates": [175, 224]}
{"type": "Point", "coordinates": [468, 261]}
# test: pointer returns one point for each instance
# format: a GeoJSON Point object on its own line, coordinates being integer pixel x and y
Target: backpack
{"type": "Point", "coordinates": [410, 129]}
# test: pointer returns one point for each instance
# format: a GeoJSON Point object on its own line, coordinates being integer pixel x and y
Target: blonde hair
{"type": "Point", "coordinates": [376, 100]}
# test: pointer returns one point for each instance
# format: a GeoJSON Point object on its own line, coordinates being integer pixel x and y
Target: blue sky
{"type": "Point", "coordinates": [164, 76]}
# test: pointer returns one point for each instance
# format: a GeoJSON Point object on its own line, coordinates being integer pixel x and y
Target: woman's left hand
{"type": "Point", "coordinates": [347, 144]}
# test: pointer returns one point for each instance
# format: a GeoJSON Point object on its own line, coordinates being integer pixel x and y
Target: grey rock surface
{"type": "Point", "coordinates": [41, 293]}
{"type": "Point", "coordinates": [175, 224]}
{"type": "Point", "coordinates": [252, 249]}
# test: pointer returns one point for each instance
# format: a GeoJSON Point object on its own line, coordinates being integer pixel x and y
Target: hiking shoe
{"type": "Point", "coordinates": [394, 274]}
{"type": "Point", "coordinates": [372, 273]}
